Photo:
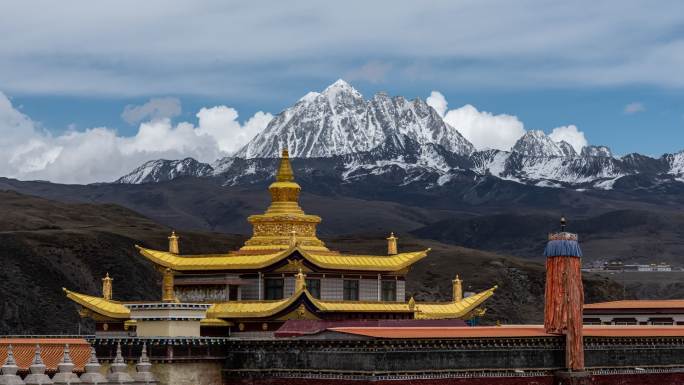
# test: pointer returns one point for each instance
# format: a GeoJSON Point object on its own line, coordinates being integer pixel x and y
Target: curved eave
{"type": "Point", "coordinates": [249, 262]}
{"type": "Point", "coordinates": [108, 308]}
{"type": "Point", "coordinates": [261, 309]}
{"type": "Point", "coordinates": [458, 309]}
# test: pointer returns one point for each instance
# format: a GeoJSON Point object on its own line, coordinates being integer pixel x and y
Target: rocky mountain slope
{"type": "Point", "coordinates": [409, 142]}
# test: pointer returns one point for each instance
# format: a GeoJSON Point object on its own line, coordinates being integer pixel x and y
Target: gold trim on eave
{"type": "Point", "coordinates": [258, 261]}
{"type": "Point", "coordinates": [260, 309]}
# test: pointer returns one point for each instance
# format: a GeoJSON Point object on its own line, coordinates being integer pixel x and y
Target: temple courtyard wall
{"type": "Point", "coordinates": [205, 361]}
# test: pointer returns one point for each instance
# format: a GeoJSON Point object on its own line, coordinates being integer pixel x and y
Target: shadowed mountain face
{"type": "Point", "coordinates": [489, 214]}
{"type": "Point", "coordinates": [638, 235]}
{"type": "Point", "coordinates": [46, 245]}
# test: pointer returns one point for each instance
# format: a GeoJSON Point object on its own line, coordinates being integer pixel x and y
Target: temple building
{"type": "Point", "coordinates": [283, 272]}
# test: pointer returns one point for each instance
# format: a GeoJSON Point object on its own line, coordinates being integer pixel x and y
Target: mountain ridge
{"type": "Point", "coordinates": [392, 135]}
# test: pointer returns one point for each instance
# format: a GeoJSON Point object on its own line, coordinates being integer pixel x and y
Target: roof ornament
{"type": "Point", "coordinates": [143, 368]}
{"type": "Point", "coordinates": [300, 281]}
{"type": "Point", "coordinates": [562, 223]}
{"type": "Point", "coordinates": [65, 370]}
{"type": "Point", "coordinates": [92, 373]}
{"type": "Point", "coordinates": [174, 244]}
{"type": "Point", "coordinates": [107, 287]}
{"type": "Point", "coordinates": [37, 371]}
{"type": "Point", "coordinates": [118, 371]}
{"type": "Point", "coordinates": [412, 304]}
{"type": "Point", "coordinates": [392, 245]}
{"type": "Point", "coordinates": [457, 288]}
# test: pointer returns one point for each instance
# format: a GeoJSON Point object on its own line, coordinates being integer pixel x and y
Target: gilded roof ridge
{"type": "Point", "coordinates": [251, 261]}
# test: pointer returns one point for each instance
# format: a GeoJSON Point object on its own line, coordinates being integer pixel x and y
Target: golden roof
{"type": "Point", "coordinates": [326, 260]}
{"type": "Point", "coordinates": [262, 309]}
{"type": "Point", "coordinates": [109, 308]}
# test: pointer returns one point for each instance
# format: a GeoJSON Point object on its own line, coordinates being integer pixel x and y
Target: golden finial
{"type": "Point", "coordinates": [107, 287]}
{"type": "Point", "coordinates": [300, 281]}
{"type": "Point", "coordinates": [457, 288]}
{"type": "Point", "coordinates": [412, 304]}
{"type": "Point", "coordinates": [285, 173]}
{"type": "Point", "coordinates": [174, 246]}
{"type": "Point", "coordinates": [168, 294]}
{"type": "Point", "coordinates": [392, 244]}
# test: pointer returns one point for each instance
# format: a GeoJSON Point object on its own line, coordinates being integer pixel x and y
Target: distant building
{"type": "Point", "coordinates": [635, 312]}
{"type": "Point", "coordinates": [653, 267]}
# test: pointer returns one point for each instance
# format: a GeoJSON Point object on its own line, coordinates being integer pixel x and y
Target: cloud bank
{"type": "Point", "coordinates": [156, 108]}
{"type": "Point", "coordinates": [99, 154]}
{"type": "Point", "coordinates": [488, 131]}
{"type": "Point", "coordinates": [211, 47]}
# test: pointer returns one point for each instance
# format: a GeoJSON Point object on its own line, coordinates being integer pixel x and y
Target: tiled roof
{"type": "Point", "coordinates": [638, 304]}
{"type": "Point", "coordinates": [328, 260]}
{"type": "Point", "coordinates": [507, 331]}
{"type": "Point", "coordinates": [51, 351]}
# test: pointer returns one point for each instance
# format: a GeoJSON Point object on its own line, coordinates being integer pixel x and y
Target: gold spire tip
{"type": "Point", "coordinates": [285, 173]}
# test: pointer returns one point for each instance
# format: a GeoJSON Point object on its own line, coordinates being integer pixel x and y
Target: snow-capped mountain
{"type": "Point", "coordinates": [348, 139]}
{"type": "Point", "coordinates": [162, 170]}
{"type": "Point", "coordinates": [339, 121]}
{"type": "Point", "coordinates": [536, 144]}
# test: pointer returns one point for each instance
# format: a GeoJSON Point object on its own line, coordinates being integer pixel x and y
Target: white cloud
{"type": "Point", "coordinates": [633, 108]}
{"type": "Point", "coordinates": [101, 155]}
{"type": "Point", "coordinates": [571, 135]}
{"type": "Point", "coordinates": [484, 129]}
{"type": "Point", "coordinates": [221, 124]}
{"type": "Point", "coordinates": [437, 101]}
{"type": "Point", "coordinates": [156, 108]}
{"type": "Point", "coordinates": [488, 131]}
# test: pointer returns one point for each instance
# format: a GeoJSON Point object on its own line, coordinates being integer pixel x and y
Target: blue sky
{"type": "Point", "coordinates": [614, 69]}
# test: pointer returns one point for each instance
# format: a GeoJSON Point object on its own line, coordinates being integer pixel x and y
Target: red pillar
{"type": "Point", "coordinates": [564, 295]}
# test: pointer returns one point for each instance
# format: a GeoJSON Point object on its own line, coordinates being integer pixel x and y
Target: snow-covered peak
{"type": "Point", "coordinates": [162, 170]}
{"type": "Point", "coordinates": [676, 164]}
{"type": "Point", "coordinates": [339, 121]}
{"type": "Point", "coordinates": [599, 151]}
{"type": "Point", "coordinates": [309, 97]}
{"type": "Point", "coordinates": [537, 144]}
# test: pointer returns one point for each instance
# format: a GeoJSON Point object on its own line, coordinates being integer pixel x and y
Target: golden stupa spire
{"type": "Point", "coordinates": [285, 173]}
{"type": "Point", "coordinates": [284, 224]}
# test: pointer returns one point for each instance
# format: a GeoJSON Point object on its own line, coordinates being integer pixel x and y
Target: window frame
{"type": "Point", "coordinates": [271, 290]}
{"type": "Point", "coordinates": [316, 293]}
{"type": "Point", "coordinates": [348, 289]}
{"type": "Point", "coordinates": [384, 290]}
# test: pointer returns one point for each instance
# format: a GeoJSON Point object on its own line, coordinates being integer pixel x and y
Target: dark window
{"type": "Point", "coordinates": [389, 290]}
{"type": "Point", "coordinates": [232, 292]}
{"type": "Point", "coordinates": [313, 285]}
{"type": "Point", "coordinates": [274, 288]}
{"type": "Point", "coordinates": [351, 289]}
